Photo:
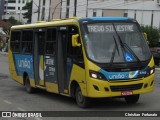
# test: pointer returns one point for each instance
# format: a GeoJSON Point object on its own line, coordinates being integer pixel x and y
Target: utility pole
{"type": "Point", "coordinates": [39, 6]}
{"type": "Point", "coordinates": [87, 9]}
{"type": "Point", "coordinates": [61, 9]}
{"type": "Point", "coordinates": [75, 8]}
{"type": "Point", "coordinates": [152, 18]}
{"type": "Point", "coordinates": [49, 10]}
{"type": "Point", "coordinates": [20, 15]}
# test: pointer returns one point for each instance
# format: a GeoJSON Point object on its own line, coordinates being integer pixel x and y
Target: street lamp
{"type": "Point", "coordinates": [56, 8]}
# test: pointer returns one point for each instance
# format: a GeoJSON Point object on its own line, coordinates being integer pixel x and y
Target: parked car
{"type": "Point", "coordinates": [156, 56]}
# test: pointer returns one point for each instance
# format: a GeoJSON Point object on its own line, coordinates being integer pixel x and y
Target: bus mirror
{"type": "Point", "coordinates": [145, 35]}
{"type": "Point", "coordinates": [75, 40]}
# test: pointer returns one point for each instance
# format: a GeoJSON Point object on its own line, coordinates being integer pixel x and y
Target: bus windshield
{"type": "Point", "coordinates": [115, 43]}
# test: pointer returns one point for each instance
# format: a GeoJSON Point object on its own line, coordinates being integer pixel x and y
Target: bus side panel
{"type": "Point", "coordinates": [18, 64]}
{"type": "Point", "coordinates": [50, 74]}
{"type": "Point", "coordinates": [41, 70]}
{"type": "Point", "coordinates": [78, 74]}
{"type": "Point", "coordinates": [52, 87]}
{"type": "Point", "coordinates": [12, 68]}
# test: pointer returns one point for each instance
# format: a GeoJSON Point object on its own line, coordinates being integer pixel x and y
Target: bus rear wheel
{"type": "Point", "coordinates": [81, 100]}
{"type": "Point", "coordinates": [132, 99]}
{"type": "Point", "coordinates": [28, 87]}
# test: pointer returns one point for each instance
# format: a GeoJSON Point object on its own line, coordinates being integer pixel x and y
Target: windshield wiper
{"type": "Point", "coordinates": [114, 51]}
{"type": "Point", "coordinates": [124, 45]}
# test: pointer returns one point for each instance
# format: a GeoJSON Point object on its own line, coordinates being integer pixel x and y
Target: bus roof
{"type": "Point", "coordinates": [39, 24]}
{"type": "Point", "coordinates": [106, 18]}
{"type": "Point", "coordinates": [67, 21]}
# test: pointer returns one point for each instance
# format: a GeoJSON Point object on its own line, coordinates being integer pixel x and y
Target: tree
{"type": "Point", "coordinates": [153, 35]}
{"type": "Point", "coordinates": [28, 14]}
{"type": "Point", "coordinates": [13, 21]}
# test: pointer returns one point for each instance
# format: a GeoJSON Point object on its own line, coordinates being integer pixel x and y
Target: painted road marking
{"type": "Point", "coordinates": [8, 102]}
{"type": "Point", "coordinates": [21, 109]}
{"type": "Point", "coordinates": [38, 119]}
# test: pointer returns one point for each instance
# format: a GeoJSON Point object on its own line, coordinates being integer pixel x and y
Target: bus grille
{"type": "Point", "coordinates": [126, 87]}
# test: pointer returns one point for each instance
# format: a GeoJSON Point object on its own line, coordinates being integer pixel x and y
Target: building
{"type": "Point", "coordinates": [45, 10]}
{"type": "Point", "coordinates": [147, 12]}
{"type": "Point", "coordinates": [15, 8]}
{"type": "Point", "coordinates": [1, 9]}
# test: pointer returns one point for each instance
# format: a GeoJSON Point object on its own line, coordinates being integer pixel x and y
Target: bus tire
{"type": "Point", "coordinates": [132, 99]}
{"type": "Point", "coordinates": [27, 85]}
{"type": "Point", "coordinates": [81, 100]}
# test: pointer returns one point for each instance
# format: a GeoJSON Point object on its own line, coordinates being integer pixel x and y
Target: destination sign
{"type": "Point", "coordinates": [109, 28]}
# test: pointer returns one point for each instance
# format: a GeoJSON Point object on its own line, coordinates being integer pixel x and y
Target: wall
{"type": "Point", "coordinates": [17, 12]}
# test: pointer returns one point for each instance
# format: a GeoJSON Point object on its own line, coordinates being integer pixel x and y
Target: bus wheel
{"type": "Point", "coordinates": [28, 87]}
{"type": "Point", "coordinates": [132, 99]}
{"type": "Point", "coordinates": [82, 101]}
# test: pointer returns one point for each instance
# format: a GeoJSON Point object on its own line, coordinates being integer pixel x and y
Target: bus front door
{"type": "Point", "coordinates": [61, 62]}
{"type": "Point", "coordinates": [39, 58]}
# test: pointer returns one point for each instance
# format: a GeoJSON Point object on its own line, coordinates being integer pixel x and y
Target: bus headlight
{"type": "Point", "coordinates": [152, 70]}
{"type": "Point", "coordinates": [96, 75]}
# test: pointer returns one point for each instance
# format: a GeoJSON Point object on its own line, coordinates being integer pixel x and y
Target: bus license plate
{"type": "Point", "coordinates": [125, 93]}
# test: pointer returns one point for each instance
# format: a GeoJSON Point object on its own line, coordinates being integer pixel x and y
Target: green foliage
{"type": "Point", "coordinates": [3, 39]}
{"type": "Point", "coordinates": [28, 14]}
{"type": "Point", "coordinates": [153, 35]}
{"type": "Point", "coordinates": [13, 21]}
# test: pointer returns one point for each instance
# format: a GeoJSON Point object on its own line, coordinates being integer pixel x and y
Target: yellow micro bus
{"type": "Point", "coordinates": [83, 58]}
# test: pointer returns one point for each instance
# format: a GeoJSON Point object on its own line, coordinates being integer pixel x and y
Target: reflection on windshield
{"type": "Point", "coordinates": [101, 39]}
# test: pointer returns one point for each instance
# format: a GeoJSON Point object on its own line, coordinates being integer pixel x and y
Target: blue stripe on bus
{"type": "Point", "coordinates": [105, 18]}
{"type": "Point", "coordinates": [126, 75]}
{"type": "Point", "coordinates": [24, 63]}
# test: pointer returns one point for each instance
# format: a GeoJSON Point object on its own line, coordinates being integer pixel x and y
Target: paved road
{"type": "Point", "coordinates": [13, 97]}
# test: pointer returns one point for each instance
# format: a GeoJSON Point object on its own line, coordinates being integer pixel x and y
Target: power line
{"type": "Point", "coordinates": [94, 3]}
{"type": "Point", "coordinates": [115, 5]}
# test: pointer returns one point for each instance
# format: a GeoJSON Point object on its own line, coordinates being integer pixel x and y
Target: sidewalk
{"type": "Point", "coordinates": [157, 68]}
{"type": "Point", "coordinates": [3, 53]}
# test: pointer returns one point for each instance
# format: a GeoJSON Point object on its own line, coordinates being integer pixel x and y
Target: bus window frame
{"type": "Point", "coordinates": [36, 30]}
{"type": "Point", "coordinates": [105, 65]}
{"type": "Point", "coordinates": [15, 42]}
{"type": "Point", "coordinates": [81, 41]}
{"type": "Point", "coordinates": [50, 28]}
{"type": "Point", "coordinates": [27, 53]}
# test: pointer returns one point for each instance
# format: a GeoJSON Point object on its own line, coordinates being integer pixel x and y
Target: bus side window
{"type": "Point", "coordinates": [51, 41]}
{"type": "Point", "coordinates": [41, 38]}
{"type": "Point", "coordinates": [15, 41]}
{"type": "Point", "coordinates": [27, 41]}
{"type": "Point", "coordinates": [75, 52]}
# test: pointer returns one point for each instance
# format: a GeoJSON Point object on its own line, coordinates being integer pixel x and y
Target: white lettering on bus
{"type": "Point", "coordinates": [119, 76]}
{"type": "Point", "coordinates": [49, 61]}
{"type": "Point", "coordinates": [96, 28]}
{"type": "Point", "coordinates": [110, 28]}
{"type": "Point", "coordinates": [24, 63]}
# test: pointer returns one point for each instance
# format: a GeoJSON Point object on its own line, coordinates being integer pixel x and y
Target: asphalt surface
{"type": "Point", "coordinates": [13, 97]}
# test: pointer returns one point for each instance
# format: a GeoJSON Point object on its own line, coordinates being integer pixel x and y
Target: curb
{"type": "Point", "coordinates": [3, 53]}
{"type": "Point", "coordinates": [157, 68]}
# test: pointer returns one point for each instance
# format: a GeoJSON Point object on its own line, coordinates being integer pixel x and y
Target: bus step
{"type": "Point", "coordinates": [65, 94]}
{"type": "Point", "coordinates": [41, 87]}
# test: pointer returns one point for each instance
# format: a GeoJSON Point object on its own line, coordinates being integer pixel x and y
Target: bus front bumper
{"type": "Point", "coordinates": [100, 88]}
